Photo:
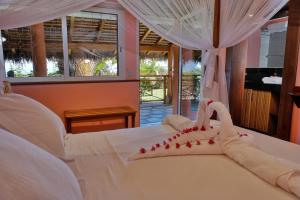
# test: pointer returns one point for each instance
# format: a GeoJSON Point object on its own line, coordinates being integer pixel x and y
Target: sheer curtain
{"type": "Point", "coordinates": [20, 13]}
{"type": "Point", "coordinates": [189, 24]}
{"type": "Point", "coordinates": [186, 23]}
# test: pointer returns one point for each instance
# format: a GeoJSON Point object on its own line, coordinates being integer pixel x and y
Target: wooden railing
{"type": "Point", "coordinates": [154, 87]}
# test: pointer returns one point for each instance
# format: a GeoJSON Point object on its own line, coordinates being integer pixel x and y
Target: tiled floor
{"type": "Point", "coordinates": [153, 113]}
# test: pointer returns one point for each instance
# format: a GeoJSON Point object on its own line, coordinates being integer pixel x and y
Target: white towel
{"type": "Point", "coordinates": [227, 141]}
{"type": "Point", "coordinates": [269, 168]}
{"type": "Point", "coordinates": [178, 122]}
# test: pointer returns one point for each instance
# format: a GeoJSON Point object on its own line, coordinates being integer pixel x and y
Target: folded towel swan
{"type": "Point", "coordinates": [193, 138]}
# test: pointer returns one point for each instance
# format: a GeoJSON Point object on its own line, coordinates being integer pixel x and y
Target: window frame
{"type": "Point", "coordinates": [66, 76]}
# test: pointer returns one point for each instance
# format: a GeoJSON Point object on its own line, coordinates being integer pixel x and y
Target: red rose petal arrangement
{"type": "Point", "coordinates": [175, 140]}
{"type": "Point", "coordinates": [190, 141]}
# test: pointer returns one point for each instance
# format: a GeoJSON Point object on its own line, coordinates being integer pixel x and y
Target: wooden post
{"type": "Point", "coordinates": [38, 50]}
{"type": "Point", "coordinates": [216, 28]}
{"type": "Point", "coordinates": [236, 63]}
{"type": "Point", "coordinates": [289, 71]}
{"type": "Point", "coordinates": [169, 87]}
{"type": "Point", "coordinates": [165, 88]}
{"type": "Point", "coordinates": [175, 78]}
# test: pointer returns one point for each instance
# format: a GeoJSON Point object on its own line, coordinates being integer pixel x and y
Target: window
{"type": "Point", "coordinates": [93, 44]}
{"type": "Point", "coordinates": [34, 51]}
{"type": "Point", "coordinates": [81, 46]}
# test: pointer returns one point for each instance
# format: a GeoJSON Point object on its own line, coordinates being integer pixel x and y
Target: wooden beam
{"type": "Point", "coordinates": [159, 40]}
{"type": "Point", "coordinates": [153, 48]}
{"type": "Point", "coordinates": [100, 28]}
{"type": "Point", "coordinates": [216, 27]}
{"type": "Point", "coordinates": [145, 35]}
{"type": "Point", "coordinates": [103, 46]}
{"type": "Point", "coordinates": [289, 71]}
{"type": "Point", "coordinates": [38, 50]}
{"type": "Point", "coordinates": [72, 24]}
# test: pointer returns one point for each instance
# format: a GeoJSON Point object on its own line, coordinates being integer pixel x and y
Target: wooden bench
{"type": "Point", "coordinates": [99, 114]}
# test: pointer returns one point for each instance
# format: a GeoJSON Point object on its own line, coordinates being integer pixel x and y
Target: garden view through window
{"type": "Point", "coordinates": [93, 44]}
{"type": "Point", "coordinates": [34, 51]}
{"type": "Point", "coordinates": [85, 43]}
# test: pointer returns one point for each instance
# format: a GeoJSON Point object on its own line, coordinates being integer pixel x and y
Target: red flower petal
{"type": "Point", "coordinates": [182, 133]}
{"type": "Point", "coordinates": [211, 127]}
{"type": "Point", "coordinates": [164, 142]}
{"type": "Point", "coordinates": [188, 144]}
{"type": "Point", "coordinates": [203, 128]}
{"type": "Point", "coordinates": [195, 128]}
{"type": "Point", "coordinates": [142, 150]}
{"type": "Point", "coordinates": [209, 102]}
{"type": "Point", "coordinates": [211, 141]}
{"type": "Point", "coordinates": [157, 145]}
{"type": "Point", "coordinates": [198, 142]}
{"type": "Point", "coordinates": [170, 139]}
{"type": "Point", "coordinates": [178, 135]}
{"type": "Point", "coordinates": [174, 137]}
{"type": "Point", "coordinates": [185, 130]}
{"type": "Point", "coordinates": [177, 145]}
{"type": "Point", "coordinates": [167, 146]}
{"type": "Point", "coordinates": [152, 148]}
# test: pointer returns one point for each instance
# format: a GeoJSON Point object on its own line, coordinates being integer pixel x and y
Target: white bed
{"type": "Point", "coordinates": [106, 174]}
{"type": "Point", "coordinates": [100, 160]}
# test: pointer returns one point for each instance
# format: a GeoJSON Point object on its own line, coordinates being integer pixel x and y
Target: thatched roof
{"type": "Point", "coordinates": [95, 36]}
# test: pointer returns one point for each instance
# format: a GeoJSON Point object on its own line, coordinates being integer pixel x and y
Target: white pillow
{"type": "Point", "coordinates": [28, 172]}
{"type": "Point", "coordinates": [32, 121]}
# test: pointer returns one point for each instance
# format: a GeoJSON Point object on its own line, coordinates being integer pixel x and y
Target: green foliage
{"type": "Point", "coordinates": [151, 67]}
{"type": "Point", "coordinates": [102, 67]}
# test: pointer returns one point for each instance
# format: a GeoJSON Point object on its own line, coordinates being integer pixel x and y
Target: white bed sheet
{"type": "Point", "coordinates": [100, 161]}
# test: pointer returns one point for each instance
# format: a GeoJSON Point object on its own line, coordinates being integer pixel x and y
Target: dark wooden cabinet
{"type": "Point", "coordinates": [260, 101]}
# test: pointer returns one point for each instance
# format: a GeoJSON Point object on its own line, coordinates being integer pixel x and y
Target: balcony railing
{"type": "Point", "coordinates": [155, 87]}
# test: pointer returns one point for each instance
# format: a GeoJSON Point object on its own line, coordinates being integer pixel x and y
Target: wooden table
{"type": "Point", "coordinates": [99, 113]}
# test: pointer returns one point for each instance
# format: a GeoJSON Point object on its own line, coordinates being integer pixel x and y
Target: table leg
{"type": "Point", "coordinates": [133, 120]}
{"type": "Point", "coordinates": [126, 121]}
{"type": "Point", "coordinates": [68, 125]}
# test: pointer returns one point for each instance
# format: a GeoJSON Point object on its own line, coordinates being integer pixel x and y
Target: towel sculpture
{"type": "Point", "coordinates": [201, 138]}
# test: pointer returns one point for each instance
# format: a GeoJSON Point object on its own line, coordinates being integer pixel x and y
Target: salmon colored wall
{"type": "Point", "coordinates": [253, 52]}
{"type": "Point", "coordinates": [61, 97]}
{"type": "Point", "coordinates": [131, 37]}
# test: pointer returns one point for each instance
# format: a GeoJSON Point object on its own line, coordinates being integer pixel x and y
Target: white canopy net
{"type": "Point", "coordinates": [187, 23]}
{"type": "Point", "coordinates": [20, 13]}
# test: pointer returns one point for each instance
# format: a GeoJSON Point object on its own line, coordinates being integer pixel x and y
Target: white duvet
{"type": "Point", "coordinates": [107, 174]}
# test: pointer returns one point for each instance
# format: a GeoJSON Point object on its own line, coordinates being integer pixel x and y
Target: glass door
{"type": "Point", "coordinates": [190, 77]}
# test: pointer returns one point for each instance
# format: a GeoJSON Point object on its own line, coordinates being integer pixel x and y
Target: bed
{"type": "Point", "coordinates": [100, 163]}
{"type": "Point", "coordinates": [107, 176]}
